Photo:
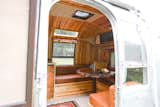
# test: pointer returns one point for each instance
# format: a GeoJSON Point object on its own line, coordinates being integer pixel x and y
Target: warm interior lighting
{"type": "Point", "coordinates": [65, 33]}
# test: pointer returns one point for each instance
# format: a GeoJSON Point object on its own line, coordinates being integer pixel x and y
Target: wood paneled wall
{"type": "Point", "coordinates": [101, 86]}
{"type": "Point", "coordinates": [50, 39]}
{"type": "Point", "coordinates": [50, 47]}
{"type": "Point", "coordinates": [84, 52]}
{"type": "Point", "coordinates": [50, 82]}
{"type": "Point", "coordinates": [86, 37]}
{"type": "Point", "coordinates": [88, 30]}
{"type": "Point", "coordinates": [102, 53]}
{"type": "Point", "coordinates": [84, 28]}
{"type": "Point", "coordinates": [73, 88]}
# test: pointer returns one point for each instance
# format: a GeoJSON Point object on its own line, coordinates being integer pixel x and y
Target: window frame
{"type": "Point", "coordinates": [111, 67]}
{"type": "Point", "coordinates": [64, 56]}
{"type": "Point", "coordinates": [143, 63]}
{"type": "Point", "coordinates": [66, 35]}
{"type": "Point", "coordinates": [144, 75]}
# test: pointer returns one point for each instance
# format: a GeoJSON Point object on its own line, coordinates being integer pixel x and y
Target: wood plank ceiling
{"type": "Point", "coordinates": [61, 18]}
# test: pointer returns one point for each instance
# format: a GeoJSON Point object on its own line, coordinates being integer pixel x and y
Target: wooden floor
{"type": "Point", "coordinates": [82, 100]}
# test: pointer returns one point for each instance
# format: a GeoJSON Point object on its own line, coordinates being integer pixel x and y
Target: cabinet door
{"type": "Point", "coordinates": [135, 76]}
{"type": "Point", "coordinates": [50, 82]}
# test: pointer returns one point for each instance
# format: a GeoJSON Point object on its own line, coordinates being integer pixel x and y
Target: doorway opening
{"type": "Point", "coordinates": [81, 56]}
{"type": "Point", "coordinates": [78, 54]}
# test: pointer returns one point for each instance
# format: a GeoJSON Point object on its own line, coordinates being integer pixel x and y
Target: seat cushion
{"type": "Point", "coordinates": [70, 78]}
{"type": "Point", "coordinates": [107, 98]}
{"type": "Point", "coordinates": [84, 70]}
{"type": "Point", "coordinates": [112, 96]}
{"type": "Point", "coordinates": [69, 69]}
{"type": "Point", "coordinates": [100, 99]}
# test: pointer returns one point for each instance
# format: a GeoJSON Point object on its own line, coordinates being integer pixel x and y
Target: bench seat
{"type": "Point", "coordinates": [69, 78]}
{"type": "Point", "coordinates": [100, 99]}
{"type": "Point", "coordinates": [106, 98]}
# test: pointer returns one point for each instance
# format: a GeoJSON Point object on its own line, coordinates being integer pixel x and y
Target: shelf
{"type": "Point", "coordinates": [108, 45]}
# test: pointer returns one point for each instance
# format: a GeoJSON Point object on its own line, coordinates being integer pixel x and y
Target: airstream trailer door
{"type": "Point", "coordinates": [133, 80]}
{"type": "Point", "coordinates": [133, 72]}
{"type": "Point", "coordinates": [135, 84]}
{"type": "Point", "coordinates": [133, 88]}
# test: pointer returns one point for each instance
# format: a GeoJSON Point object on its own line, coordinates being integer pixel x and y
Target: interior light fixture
{"type": "Point", "coordinates": [65, 33]}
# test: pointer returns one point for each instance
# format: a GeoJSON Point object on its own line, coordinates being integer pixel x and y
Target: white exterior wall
{"type": "Point", "coordinates": [150, 9]}
{"type": "Point", "coordinates": [13, 50]}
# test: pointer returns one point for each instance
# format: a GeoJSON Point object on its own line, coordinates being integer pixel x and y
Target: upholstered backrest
{"type": "Point", "coordinates": [85, 69]}
{"type": "Point", "coordinates": [64, 70]}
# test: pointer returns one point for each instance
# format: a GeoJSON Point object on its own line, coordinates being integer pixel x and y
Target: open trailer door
{"type": "Point", "coordinates": [134, 77]}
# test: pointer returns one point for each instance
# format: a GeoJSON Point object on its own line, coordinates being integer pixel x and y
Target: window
{"type": "Point", "coordinates": [63, 53]}
{"type": "Point", "coordinates": [66, 33]}
{"type": "Point", "coordinates": [136, 63]}
{"type": "Point", "coordinates": [137, 74]}
{"type": "Point", "coordinates": [134, 53]}
{"type": "Point", "coordinates": [112, 59]}
{"type": "Point", "coordinates": [133, 49]}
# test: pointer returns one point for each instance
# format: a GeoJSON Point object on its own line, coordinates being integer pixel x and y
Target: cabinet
{"type": "Point", "coordinates": [50, 82]}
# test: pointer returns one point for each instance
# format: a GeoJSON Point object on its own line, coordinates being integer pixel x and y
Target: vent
{"type": "Point", "coordinates": [82, 14]}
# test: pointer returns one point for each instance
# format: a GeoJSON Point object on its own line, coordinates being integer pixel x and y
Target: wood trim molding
{"type": "Point", "coordinates": [31, 58]}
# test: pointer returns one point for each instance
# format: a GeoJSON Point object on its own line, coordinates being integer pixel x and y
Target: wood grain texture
{"type": "Point", "coordinates": [74, 88]}
{"type": "Point", "coordinates": [50, 48]}
{"type": "Point", "coordinates": [84, 53]}
{"type": "Point", "coordinates": [86, 50]}
{"type": "Point", "coordinates": [61, 17]}
{"type": "Point", "coordinates": [103, 22]}
{"type": "Point", "coordinates": [50, 82]}
{"type": "Point", "coordinates": [81, 6]}
{"type": "Point", "coordinates": [69, 69]}
{"type": "Point", "coordinates": [67, 8]}
{"type": "Point", "coordinates": [101, 87]}
{"type": "Point", "coordinates": [102, 52]}
{"type": "Point", "coordinates": [85, 29]}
